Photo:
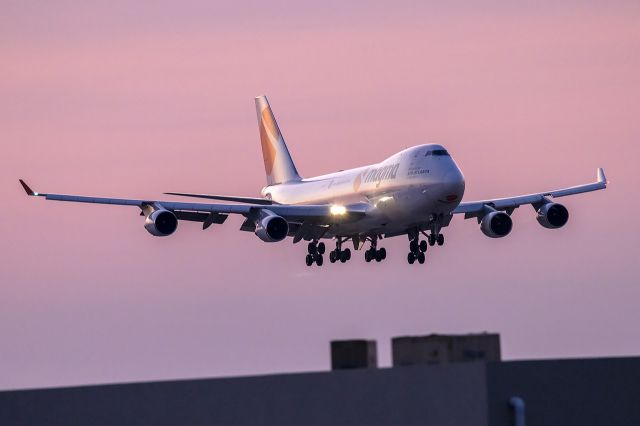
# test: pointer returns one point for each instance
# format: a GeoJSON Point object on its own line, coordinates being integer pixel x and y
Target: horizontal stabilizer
{"type": "Point", "coordinates": [248, 200]}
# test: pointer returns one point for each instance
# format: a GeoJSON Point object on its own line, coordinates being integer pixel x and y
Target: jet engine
{"type": "Point", "coordinates": [496, 224]}
{"type": "Point", "coordinates": [271, 228]}
{"type": "Point", "coordinates": [161, 223]}
{"type": "Point", "coordinates": [552, 215]}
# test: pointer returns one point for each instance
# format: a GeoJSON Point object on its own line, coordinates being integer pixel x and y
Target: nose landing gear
{"type": "Point", "coordinates": [436, 238]}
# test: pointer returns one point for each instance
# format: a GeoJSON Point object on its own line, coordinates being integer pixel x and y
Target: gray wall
{"type": "Point", "coordinates": [581, 392]}
{"type": "Point", "coordinates": [556, 393]}
{"type": "Point", "coordinates": [444, 395]}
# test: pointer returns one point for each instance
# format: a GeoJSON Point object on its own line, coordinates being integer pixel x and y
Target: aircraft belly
{"type": "Point", "coordinates": [398, 212]}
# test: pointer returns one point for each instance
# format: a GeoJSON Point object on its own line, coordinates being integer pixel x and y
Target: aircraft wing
{"type": "Point", "coordinates": [249, 200]}
{"type": "Point", "coordinates": [478, 208]}
{"type": "Point", "coordinates": [322, 214]}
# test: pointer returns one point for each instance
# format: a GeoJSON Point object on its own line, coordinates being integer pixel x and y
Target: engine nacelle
{"type": "Point", "coordinates": [553, 215]}
{"type": "Point", "coordinates": [271, 228]}
{"type": "Point", "coordinates": [161, 223]}
{"type": "Point", "coordinates": [496, 224]}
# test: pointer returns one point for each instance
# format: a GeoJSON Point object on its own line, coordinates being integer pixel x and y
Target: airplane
{"type": "Point", "coordinates": [415, 192]}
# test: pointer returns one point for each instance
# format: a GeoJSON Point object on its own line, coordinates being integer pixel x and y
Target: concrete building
{"type": "Point", "coordinates": [445, 348]}
{"type": "Point", "coordinates": [585, 392]}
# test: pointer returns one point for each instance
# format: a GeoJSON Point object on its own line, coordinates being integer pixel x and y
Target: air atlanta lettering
{"type": "Point", "coordinates": [381, 173]}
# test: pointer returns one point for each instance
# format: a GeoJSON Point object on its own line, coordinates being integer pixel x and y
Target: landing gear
{"type": "Point", "coordinates": [435, 236]}
{"type": "Point", "coordinates": [374, 253]}
{"type": "Point", "coordinates": [345, 255]}
{"type": "Point", "coordinates": [338, 254]}
{"type": "Point", "coordinates": [315, 252]}
{"type": "Point", "coordinates": [417, 248]}
{"type": "Point", "coordinates": [313, 247]}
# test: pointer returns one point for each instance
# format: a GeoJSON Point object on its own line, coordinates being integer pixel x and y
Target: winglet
{"type": "Point", "coordinates": [28, 190]}
{"type": "Point", "coordinates": [601, 177]}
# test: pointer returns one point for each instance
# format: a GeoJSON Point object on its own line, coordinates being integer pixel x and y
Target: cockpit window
{"type": "Point", "coordinates": [437, 152]}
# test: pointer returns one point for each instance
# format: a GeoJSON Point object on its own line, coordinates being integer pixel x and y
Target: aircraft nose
{"type": "Point", "coordinates": [453, 185]}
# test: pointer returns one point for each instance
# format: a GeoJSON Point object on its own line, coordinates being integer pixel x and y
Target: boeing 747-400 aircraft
{"type": "Point", "coordinates": [415, 193]}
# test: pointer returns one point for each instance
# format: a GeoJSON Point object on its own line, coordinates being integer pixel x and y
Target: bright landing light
{"type": "Point", "coordinates": [338, 210]}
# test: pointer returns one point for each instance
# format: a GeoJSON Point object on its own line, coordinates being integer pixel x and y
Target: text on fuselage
{"type": "Point", "coordinates": [382, 173]}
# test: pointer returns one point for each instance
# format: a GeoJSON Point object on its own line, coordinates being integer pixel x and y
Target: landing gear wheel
{"type": "Point", "coordinates": [379, 256]}
{"type": "Point", "coordinates": [333, 256]}
{"type": "Point", "coordinates": [321, 248]}
{"type": "Point", "coordinates": [367, 256]}
{"type": "Point", "coordinates": [344, 256]}
{"type": "Point", "coordinates": [347, 253]}
{"type": "Point", "coordinates": [440, 239]}
{"type": "Point", "coordinates": [432, 239]}
{"type": "Point", "coordinates": [383, 253]}
{"type": "Point", "coordinates": [309, 260]}
{"type": "Point", "coordinates": [312, 248]}
{"type": "Point", "coordinates": [421, 258]}
{"type": "Point", "coordinates": [423, 246]}
{"type": "Point", "coordinates": [413, 246]}
{"type": "Point", "coordinates": [411, 258]}
{"type": "Point", "coordinates": [319, 260]}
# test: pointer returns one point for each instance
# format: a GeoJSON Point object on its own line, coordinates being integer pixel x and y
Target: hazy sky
{"type": "Point", "coordinates": [121, 99]}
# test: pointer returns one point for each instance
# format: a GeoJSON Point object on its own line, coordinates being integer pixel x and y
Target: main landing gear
{"type": "Point", "coordinates": [374, 253]}
{"type": "Point", "coordinates": [339, 254]}
{"type": "Point", "coordinates": [316, 250]}
{"type": "Point", "coordinates": [417, 248]}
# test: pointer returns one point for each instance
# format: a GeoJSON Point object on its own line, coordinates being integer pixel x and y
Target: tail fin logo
{"type": "Point", "coordinates": [278, 164]}
{"type": "Point", "coordinates": [268, 133]}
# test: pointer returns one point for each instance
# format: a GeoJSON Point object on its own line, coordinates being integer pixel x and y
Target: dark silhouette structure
{"type": "Point", "coordinates": [552, 393]}
{"type": "Point", "coordinates": [348, 354]}
{"type": "Point", "coordinates": [445, 348]}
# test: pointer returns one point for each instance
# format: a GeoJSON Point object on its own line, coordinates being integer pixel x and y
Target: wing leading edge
{"type": "Point", "coordinates": [249, 200]}
{"type": "Point", "coordinates": [473, 208]}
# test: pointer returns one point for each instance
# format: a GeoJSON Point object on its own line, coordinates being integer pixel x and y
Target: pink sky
{"type": "Point", "coordinates": [117, 99]}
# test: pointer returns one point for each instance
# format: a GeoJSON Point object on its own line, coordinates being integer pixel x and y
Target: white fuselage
{"type": "Point", "coordinates": [409, 188]}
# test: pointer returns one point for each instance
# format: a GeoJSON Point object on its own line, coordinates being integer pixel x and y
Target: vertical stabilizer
{"type": "Point", "coordinates": [278, 164]}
